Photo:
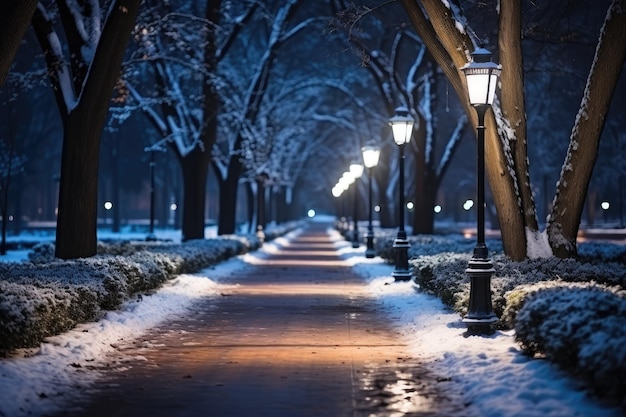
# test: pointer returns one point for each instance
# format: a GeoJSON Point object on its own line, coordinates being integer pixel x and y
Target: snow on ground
{"type": "Point", "coordinates": [498, 380]}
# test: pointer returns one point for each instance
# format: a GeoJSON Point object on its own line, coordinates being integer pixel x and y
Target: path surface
{"type": "Point", "coordinates": [295, 334]}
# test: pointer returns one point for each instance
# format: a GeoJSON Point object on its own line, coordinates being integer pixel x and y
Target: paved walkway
{"type": "Point", "coordinates": [296, 334]}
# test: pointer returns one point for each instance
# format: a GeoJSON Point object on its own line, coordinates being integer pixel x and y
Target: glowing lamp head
{"type": "Point", "coordinates": [402, 126]}
{"type": "Point", "coordinates": [482, 77]}
{"type": "Point", "coordinates": [370, 156]}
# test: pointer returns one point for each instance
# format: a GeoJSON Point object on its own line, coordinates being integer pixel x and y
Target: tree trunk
{"type": "Point", "coordinates": [513, 105]}
{"type": "Point", "coordinates": [77, 220]}
{"type": "Point", "coordinates": [228, 198]}
{"type": "Point", "coordinates": [425, 188]}
{"type": "Point", "coordinates": [14, 20]}
{"type": "Point", "coordinates": [448, 47]}
{"type": "Point", "coordinates": [576, 173]}
{"type": "Point", "coordinates": [195, 167]}
{"type": "Point", "coordinates": [386, 215]}
{"type": "Point", "coordinates": [425, 197]}
{"type": "Point", "coordinates": [76, 235]}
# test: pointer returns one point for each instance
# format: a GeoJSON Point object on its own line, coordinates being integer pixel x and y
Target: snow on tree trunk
{"type": "Point", "coordinates": [564, 219]}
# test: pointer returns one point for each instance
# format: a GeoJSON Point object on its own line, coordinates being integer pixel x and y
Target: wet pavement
{"type": "Point", "coordinates": [294, 334]}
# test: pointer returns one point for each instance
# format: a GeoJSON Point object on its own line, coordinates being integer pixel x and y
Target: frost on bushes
{"type": "Point", "coordinates": [443, 275]}
{"type": "Point", "coordinates": [581, 328]}
{"type": "Point", "coordinates": [573, 311]}
{"type": "Point", "coordinates": [602, 251]}
{"type": "Point", "coordinates": [47, 296]}
{"type": "Point", "coordinates": [429, 245]}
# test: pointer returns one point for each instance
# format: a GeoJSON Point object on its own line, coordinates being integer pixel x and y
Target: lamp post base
{"type": "Point", "coordinates": [401, 247]}
{"type": "Point", "coordinates": [260, 234]}
{"type": "Point", "coordinates": [480, 316]}
{"type": "Point", "coordinates": [355, 240]}
{"type": "Point", "coordinates": [370, 252]}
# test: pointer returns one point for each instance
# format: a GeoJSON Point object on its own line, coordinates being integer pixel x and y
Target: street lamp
{"type": "Point", "coordinates": [482, 77]}
{"type": "Point", "coordinates": [151, 236]}
{"type": "Point", "coordinates": [356, 170]}
{"type": "Point", "coordinates": [402, 127]}
{"type": "Point", "coordinates": [370, 160]}
{"type": "Point", "coordinates": [261, 180]}
{"type": "Point", "coordinates": [345, 181]}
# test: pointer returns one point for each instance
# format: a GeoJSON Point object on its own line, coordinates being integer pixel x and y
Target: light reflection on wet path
{"type": "Point", "coordinates": [295, 334]}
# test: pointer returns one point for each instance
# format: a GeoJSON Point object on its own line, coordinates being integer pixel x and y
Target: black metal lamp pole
{"type": "Point", "coordinates": [402, 125]}
{"type": "Point", "coordinates": [151, 236]}
{"type": "Point", "coordinates": [480, 315]}
{"type": "Point", "coordinates": [370, 160]}
{"type": "Point", "coordinates": [369, 251]}
{"type": "Point", "coordinates": [401, 243]}
{"type": "Point", "coordinates": [481, 75]}
{"type": "Point", "coordinates": [357, 171]}
{"type": "Point", "coordinates": [261, 180]}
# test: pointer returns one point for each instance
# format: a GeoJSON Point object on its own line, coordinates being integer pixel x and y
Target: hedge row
{"type": "Point", "coordinates": [573, 312]}
{"type": "Point", "coordinates": [47, 296]}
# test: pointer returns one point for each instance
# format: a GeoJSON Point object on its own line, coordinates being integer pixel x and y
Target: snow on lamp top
{"type": "Point", "coordinates": [482, 77]}
{"type": "Point", "coordinates": [402, 126]}
{"type": "Point", "coordinates": [370, 156]}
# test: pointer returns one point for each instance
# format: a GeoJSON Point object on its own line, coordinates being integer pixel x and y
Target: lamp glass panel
{"type": "Point", "coordinates": [481, 85]}
{"type": "Point", "coordinates": [402, 132]}
{"type": "Point", "coordinates": [370, 157]}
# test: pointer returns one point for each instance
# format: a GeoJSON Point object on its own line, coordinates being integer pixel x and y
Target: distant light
{"type": "Point", "coordinates": [410, 205]}
{"type": "Point", "coordinates": [310, 213]}
{"type": "Point", "coordinates": [377, 209]}
{"type": "Point", "coordinates": [468, 204]}
{"type": "Point", "coordinates": [173, 206]}
{"type": "Point", "coordinates": [437, 209]}
{"type": "Point", "coordinates": [108, 205]}
{"type": "Point", "coordinates": [10, 217]}
{"type": "Point", "coordinates": [605, 205]}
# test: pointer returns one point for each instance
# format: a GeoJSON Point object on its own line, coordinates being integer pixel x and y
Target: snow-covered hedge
{"type": "Point", "coordinates": [581, 328]}
{"type": "Point", "coordinates": [47, 296]}
{"type": "Point", "coordinates": [571, 311]}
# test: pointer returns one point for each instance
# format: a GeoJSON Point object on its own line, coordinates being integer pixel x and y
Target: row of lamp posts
{"type": "Point", "coordinates": [402, 125]}
{"type": "Point", "coordinates": [482, 76]}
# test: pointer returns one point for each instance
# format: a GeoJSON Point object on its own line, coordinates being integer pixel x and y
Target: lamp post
{"type": "Point", "coordinates": [402, 127]}
{"type": "Point", "coordinates": [345, 181]}
{"type": "Point", "coordinates": [370, 160]}
{"type": "Point", "coordinates": [151, 236]}
{"type": "Point", "coordinates": [356, 170]}
{"type": "Point", "coordinates": [482, 76]}
{"type": "Point", "coordinates": [261, 181]}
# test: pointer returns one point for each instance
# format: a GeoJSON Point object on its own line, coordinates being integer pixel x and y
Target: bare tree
{"type": "Point", "coordinates": [508, 173]}
{"type": "Point", "coordinates": [82, 83]}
